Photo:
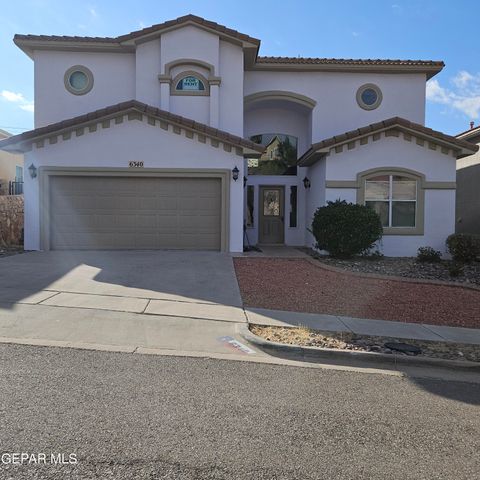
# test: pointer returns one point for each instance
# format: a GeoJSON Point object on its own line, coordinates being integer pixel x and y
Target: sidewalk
{"type": "Point", "coordinates": [334, 323]}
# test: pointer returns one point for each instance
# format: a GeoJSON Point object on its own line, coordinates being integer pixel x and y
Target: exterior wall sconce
{"type": "Point", "coordinates": [244, 182]}
{"type": "Point", "coordinates": [306, 182]}
{"type": "Point", "coordinates": [235, 173]}
{"type": "Point", "coordinates": [32, 169]}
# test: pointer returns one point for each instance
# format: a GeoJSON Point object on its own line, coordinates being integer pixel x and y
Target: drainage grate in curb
{"type": "Point", "coordinates": [404, 348]}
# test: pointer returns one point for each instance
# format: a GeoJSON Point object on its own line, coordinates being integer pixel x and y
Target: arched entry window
{"type": "Point", "coordinates": [279, 157]}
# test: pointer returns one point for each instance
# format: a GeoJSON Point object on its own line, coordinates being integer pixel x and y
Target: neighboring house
{"type": "Point", "coordinates": [11, 170]}
{"type": "Point", "coordinates": [145, 141]}
{"type": "Point", "coordinates": [468, 186]}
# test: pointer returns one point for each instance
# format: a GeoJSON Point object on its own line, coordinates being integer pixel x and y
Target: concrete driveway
{"type": "Point", "coordinates": [153, 299]}
{"type": "Point", "coordinates": [131, 276]}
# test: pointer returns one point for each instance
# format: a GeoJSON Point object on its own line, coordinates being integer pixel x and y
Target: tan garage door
{"type": "Point", "coordinates": [135, 213]}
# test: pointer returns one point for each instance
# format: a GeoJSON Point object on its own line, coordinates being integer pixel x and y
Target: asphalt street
{"type": "Point", "coordinates": [127, 416]}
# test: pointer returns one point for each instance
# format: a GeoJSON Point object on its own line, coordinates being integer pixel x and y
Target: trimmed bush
{"type": "Point", "coordinates": [428, 255]}
{"type": "Point", "coordinates": [455, 270]}
{"type": "Point", "coordinates": [346, 229]}
{"type": "Point", "coordinates": [463, 247]}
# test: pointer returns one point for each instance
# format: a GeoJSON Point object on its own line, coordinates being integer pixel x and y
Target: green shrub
{"type": "Point", "coordinates": [455, 269]}
{"type": "Point", "coordinates": [463, 247]}
{"type": "Point", "coordinates": [428, 255]}
{"type": "Point", "coordinates": [346, 229]}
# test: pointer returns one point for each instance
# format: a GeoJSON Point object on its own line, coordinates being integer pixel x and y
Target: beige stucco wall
{"type": "Point", "coordinates": [8, 162]}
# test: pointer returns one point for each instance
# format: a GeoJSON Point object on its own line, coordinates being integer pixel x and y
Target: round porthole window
{"type": "Point", "coordinates": [369, 96]}
{"type": "Point", "coordinates": [78, 80]}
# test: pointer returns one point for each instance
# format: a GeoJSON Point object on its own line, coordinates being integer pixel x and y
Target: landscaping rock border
{"type": "Point", "coordinates": [395, 278]}
{"type": "Point", "coordinates": [297, 352]}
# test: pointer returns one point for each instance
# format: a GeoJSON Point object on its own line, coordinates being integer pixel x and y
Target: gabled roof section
{"type": "Point", "coordinates": [471, 134]}
{"type": "Point", "coordinates": [429, 67]}
{"type": "Point", "coordinates": [127, 42]}
{"type": "Point", "coordinates": [135, 111]}
{"type": "Point", "coordinates": [318, 150]}
{"type": "Point", "coordinates": [250, 45]}
{"type": "Point", "coordinates": [4, 134]}
{"type": "Point", "coordinates": [192, 19]}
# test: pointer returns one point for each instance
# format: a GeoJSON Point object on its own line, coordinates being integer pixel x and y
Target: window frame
{"type": "Point", "coordinates": [377, 90]}
{"type": "Point", "coordinates": [195, 93]}
{"type": "Point", "coordinates": [418, 229]}
{"type": "Point", "coordinates": [78, 68]}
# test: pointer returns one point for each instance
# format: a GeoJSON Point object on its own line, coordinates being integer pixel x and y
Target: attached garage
{"type": "Point", "coordinates": [135, 212]}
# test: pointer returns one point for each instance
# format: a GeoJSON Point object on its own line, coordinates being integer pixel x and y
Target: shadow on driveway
{"type": "Point", "coordinates": [174, 275]}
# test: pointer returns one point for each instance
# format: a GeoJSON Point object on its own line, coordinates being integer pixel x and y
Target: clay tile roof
{"type": "Point", "coordinates": [124, 108]}
{"type": "Point", "coordinates": [467, 134]}
{"type": "Point", "coordinates": [145, 31]}
{"type": "Point", "coordinates": [430, 67]}
{"type": "Point", "coordinates": [347, 61]}
{"type": "Point", "coordinates": [465, 147]}
{"type": "Point", "coordinates": [66, 38]}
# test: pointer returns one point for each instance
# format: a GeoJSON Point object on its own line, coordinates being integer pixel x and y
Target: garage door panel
{"type": "Point", "coordinates": [165, 203]}
{"type": "Point", "coordinates": [198, 223]}
{"type": "Point", "coordinates": [129, 213]}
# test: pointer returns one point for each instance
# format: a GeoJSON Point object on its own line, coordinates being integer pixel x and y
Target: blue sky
{"type": "Point", "coordinates": [414, 29]}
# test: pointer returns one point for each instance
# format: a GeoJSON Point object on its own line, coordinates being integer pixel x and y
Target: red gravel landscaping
{"type": "Point", "coordinates": [298, 285]}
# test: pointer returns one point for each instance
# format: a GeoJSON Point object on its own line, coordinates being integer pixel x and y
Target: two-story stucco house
{"type": "Point", "coordinates": [181, 136]}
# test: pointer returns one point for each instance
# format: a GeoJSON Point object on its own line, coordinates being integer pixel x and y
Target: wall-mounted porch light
{"type": "Point", "coordinates": [32, 169]}
{"type": "Point", "coordinates": [245, 182]}
{"type": "Point", "coordinates": [306, 182]}
{"type": "Point", "coordinates": [235, 173]}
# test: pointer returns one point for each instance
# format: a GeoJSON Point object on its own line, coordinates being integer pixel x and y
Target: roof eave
{"type": "Point", "coordinates": [22, 142]}
{"type": "Point", "coordinates": [319, 150]}
{"type": "Point", "coordinates": [475, 132]}
{"type": "Point", "coordinates": [312, 156]}
{"type": "Point", "coordinates": [429, 71]}
{"type": "Point", "coordinates": [29, 46]}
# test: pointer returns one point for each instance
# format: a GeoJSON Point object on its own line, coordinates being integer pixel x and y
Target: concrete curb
{"type": "Point", "coordinates": [392, 278]}
{"type": "Point", "coordinates": [347, 356]}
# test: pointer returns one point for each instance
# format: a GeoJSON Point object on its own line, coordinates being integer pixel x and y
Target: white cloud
{"type": "Point", "coordinates": [464, 95]}
{"type": "Point", "coordinates": [436, 93]}
{"type": "Point", "coordinates": [93, 12]}
{"type": "Point", "coordinates": [17, 98]}
{"type": "Point", "coordinates": [28, 107]}
{"type": "Point", "coordinates": [12, 96]}
{"type": "Point", "coordinates": [462, 79]}
{"type": "Point", "coordinates": [355, 34]}
{"type": "Point", "coordinates": [469, 106]}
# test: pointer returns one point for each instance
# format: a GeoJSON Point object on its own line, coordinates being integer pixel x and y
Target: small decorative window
{"type": "Point", "coordinates": [369, 96]}
{"type": "Point", "coordinates": [394, 198]}
{"type": "Point", "coordinates": [271, 203]}
{"type": "Point", "coordinates": [78, 80]}
{"type": "Point", "coordinates": [190, 83]}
